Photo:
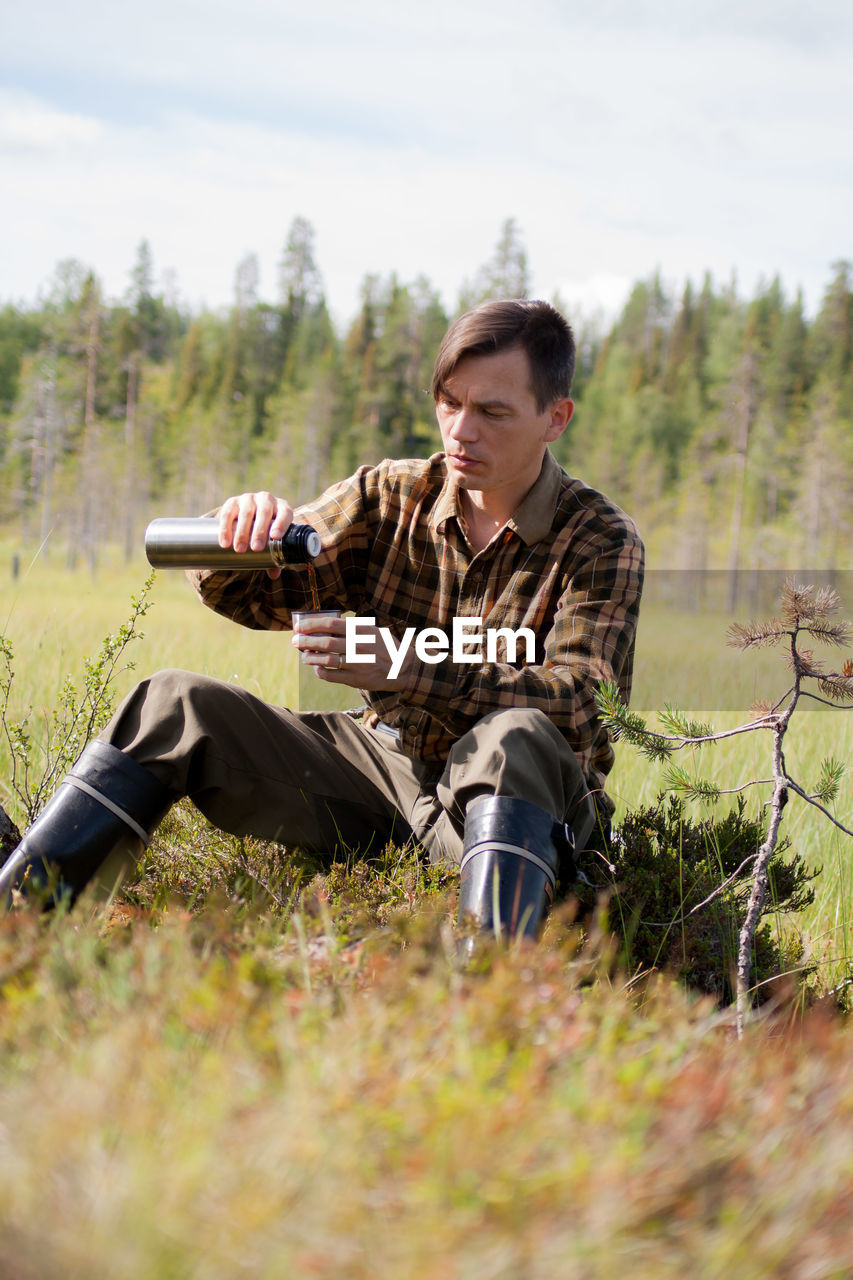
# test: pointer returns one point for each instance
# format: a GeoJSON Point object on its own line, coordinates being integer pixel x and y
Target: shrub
{"type": "Point", "coordinates": [664, 865]}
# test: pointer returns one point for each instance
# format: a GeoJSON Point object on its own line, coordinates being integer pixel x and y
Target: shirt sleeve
{"type": "Point", "coordinates": [591, 639]}
{"type": "Point", "coordinates": [343, 516]}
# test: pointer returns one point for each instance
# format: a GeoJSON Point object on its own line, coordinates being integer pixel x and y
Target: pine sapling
{"type": "Point", "coordinates": [804, 611]}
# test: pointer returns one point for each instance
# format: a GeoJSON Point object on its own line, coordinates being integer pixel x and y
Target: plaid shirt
{"type": "Point", "coordinates": [568, 565]}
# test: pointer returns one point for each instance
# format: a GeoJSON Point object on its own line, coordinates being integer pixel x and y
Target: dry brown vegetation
{"type": "Point", "coordinates": [249, 1064]}
{"type": "Point", "coordinates": [237, 1092]}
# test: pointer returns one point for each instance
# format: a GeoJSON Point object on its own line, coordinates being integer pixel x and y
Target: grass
{"type": "Point", "coordinates": [231, 1095]}
{"type": "Point", "coordinates": [249, 1064]}
{"type": "Point", "coordinates": [54, 618]}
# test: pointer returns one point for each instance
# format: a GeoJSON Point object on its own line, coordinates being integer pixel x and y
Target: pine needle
{"type": "Point", "coordinates": [831, 772]}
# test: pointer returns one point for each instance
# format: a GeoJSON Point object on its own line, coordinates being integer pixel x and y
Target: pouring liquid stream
{"type": "Point", "coordinates": [312, 582]}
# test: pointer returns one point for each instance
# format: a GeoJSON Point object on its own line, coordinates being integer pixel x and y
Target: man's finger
{"type": "Point", "coordinates": [264, 514]}
{"type": "Point", "coordinates": [311, 624]}
{"type": "Point", "coordinates": [323, 650]}
{"type": "Point", "coordinates": [339, 675]}
{"type": "Point", "coordinates": [282, 520]}
{"type": "Point", "coordinates": [251, 519]}
{"type": "Point", "coordinates": [227, 516]}
{"type": "Point", "coordinates": [246, 509]}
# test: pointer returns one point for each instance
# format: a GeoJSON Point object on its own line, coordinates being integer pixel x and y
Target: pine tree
{"type": "Point", "coordinates": [505, 275]}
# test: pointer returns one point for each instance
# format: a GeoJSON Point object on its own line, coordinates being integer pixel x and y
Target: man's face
{"type": "Point", "coordinates": [493, 434]}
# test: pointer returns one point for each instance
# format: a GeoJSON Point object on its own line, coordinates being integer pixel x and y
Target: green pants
{"type": "Point", "coordinates": [322, 780]}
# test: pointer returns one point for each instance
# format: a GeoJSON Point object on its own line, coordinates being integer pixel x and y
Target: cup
{"type": "Point", "coordinates": [299, 614]}
{"type": "Point", "coordinates": [314, 694]}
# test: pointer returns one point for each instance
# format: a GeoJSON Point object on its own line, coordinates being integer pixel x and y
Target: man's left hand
{"type": "Point", "coordinates": [322, 644]}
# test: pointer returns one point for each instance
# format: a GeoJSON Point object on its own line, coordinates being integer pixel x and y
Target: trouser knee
{"type": "Point", "coordinates": [517, 753]}
{"type": "Point", "coordinates": [170, 720]}
{"type": "Point", "coordinates": [525, 737]}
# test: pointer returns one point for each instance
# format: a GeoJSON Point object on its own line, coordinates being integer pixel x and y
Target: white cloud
{"type": "Point", "coordinates": [621, 138]}
{"type": "Point", "coordinates": [29, 125]}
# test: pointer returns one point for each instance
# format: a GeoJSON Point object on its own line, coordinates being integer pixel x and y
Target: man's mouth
{"type": "Point", "coordinates": [462, 460]}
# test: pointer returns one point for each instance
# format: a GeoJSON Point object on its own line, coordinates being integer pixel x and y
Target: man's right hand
{"type": "Point", "coordinates": [248, 521]}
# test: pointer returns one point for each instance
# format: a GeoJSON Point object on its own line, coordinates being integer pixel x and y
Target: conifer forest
{"type": "Point", "coordinates": [722, 423]}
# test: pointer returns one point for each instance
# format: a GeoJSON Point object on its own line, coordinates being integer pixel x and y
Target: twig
{"type": "Point", "coordinates": [754, 782]}
{"type": "Point", "coordinates": [763, 722]}
{"type": "Point", "coordinates": [716, 893]}
{"type": "Point", "coordinates": [836, 706]}
{"type": "Point", "coordinates": [706, 902]}
{"type": "Point", "coordinates": [811, 800]}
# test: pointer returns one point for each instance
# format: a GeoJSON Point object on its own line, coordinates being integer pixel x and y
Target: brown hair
{"type": "Point", "coordinates": [536, 327]}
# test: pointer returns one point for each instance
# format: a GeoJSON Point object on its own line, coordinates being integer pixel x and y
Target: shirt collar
{"type": "Point", "coordinates": [534, 515]}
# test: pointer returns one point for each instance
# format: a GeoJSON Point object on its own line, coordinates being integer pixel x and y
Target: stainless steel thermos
{"type": "Point", "coordinates": [194, 544]}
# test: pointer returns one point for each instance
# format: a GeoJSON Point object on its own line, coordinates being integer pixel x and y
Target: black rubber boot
{"type": "Point", "coordinates": [107, 804]}
{"type": "Point", "coordinates": [511, 859]}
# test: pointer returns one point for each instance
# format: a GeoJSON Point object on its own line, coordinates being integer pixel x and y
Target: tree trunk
{"type": "Point", "coordinates": [129, 454]}
{"type": "Point", "coordinates": [744, 409]}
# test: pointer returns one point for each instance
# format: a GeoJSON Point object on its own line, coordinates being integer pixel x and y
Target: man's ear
{"type": "Point", "coordinates": [561, 416]}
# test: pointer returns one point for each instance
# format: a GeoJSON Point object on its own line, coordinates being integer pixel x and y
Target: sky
{"type": "Point", "coordinates": [624, 137]}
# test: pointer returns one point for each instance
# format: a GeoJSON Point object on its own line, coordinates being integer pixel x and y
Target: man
{"type": "Point", "coordinates": [482, 762]}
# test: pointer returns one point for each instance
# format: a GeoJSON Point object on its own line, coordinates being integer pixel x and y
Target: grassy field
{"type": "Point", "coordinates": [54, 618]}
{"type": "Point", "coordinates": [249, 1066]}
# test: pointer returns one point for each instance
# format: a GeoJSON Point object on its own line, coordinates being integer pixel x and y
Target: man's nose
{"type": "Point", "coordinates": [463, 426]}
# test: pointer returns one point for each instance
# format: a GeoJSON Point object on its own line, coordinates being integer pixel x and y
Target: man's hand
{"type": "Point", "coordinates": [248, 521]}
{"type": "Point", "coordinates": [322, 644]}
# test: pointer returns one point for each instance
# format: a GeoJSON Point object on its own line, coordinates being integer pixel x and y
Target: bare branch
{"type": "Point", "coordinates": [706, 902]}
{"type": "Point", "coordinates": [806, 693]}
{"type": "Point", "coordinates": [744, 786]}
{"type": "Point", "coordinates": [769, 722]}
{"type": "Point", "coordinates": [810, 800]}
{"type": "Point", "coordinates": [759, 885]}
